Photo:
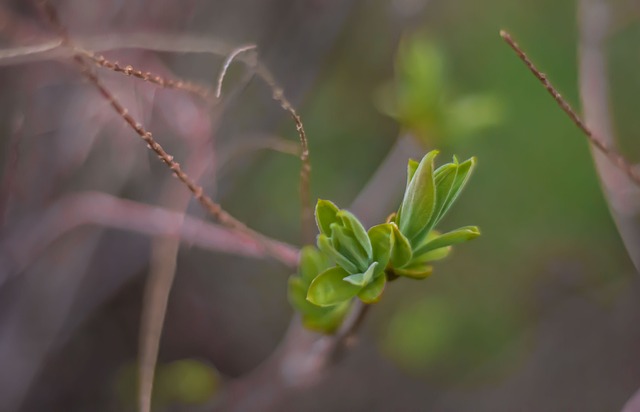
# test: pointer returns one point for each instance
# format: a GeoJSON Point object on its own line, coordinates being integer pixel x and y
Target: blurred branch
{"type": "Point", "coordinates": [11, 164]}
{"type": "Point", "coordinates": [162, 271]}
{"type": "Point", "coordinates": [19, 247]}
{"type": "Point", "coordinates": [213, 208]}
{"type": "Point", "coordinates": [179, 44]}
{"type": "Point", "coordinates": [388, 178]}
{"type": "Point", "coordinates": [159, 42]}
{"type": "Point", "coordinates": [620, 192]}
{"type": "Point", "coordinates": [252, 143]}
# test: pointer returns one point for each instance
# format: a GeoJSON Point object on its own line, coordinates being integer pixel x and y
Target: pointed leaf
{"type": "Point", "coordinates": [329, 289]}
{"type": "Point", "coordinates": [381, 243]}
{"type": "Point", "coordinates": [417, 272]}
{"type": "Point", "coordinates": [432, 255]}
{"type": "Point", "coordinates": [412, 166]}
{"type": "Point", "coordinates": [444, 178]}
{"type": "Point", "coordinates": [462, 176]}
{"type": "Point", "coordinates": [362, 279]}
{"type": "Point", "coordinates": [401, 251]}
{"type": "Point", "coordinates": [326, 213]}
{"type": "Point", "coordinates": [351, 222]}
{"type": "Point", "coordinates": [451, 238]}
{"type": "Point", "coordinates": [347, 245]}
{"type": "Point", "coordinates": [419, 199]}
{"type": "Point", "coordinates": [373, 292]}
{"type": "Point", "coordinates": [326, 247]}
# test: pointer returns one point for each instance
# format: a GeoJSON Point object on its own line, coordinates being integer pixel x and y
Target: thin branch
{"type": "Point", "coordinates": [198, 192]}
{"type": "Point", "coordinates": [128, 70]}
{"type": "Point", "coordinates": [616, 158]}
{"type": "Point", "coordinates": [189, 44]}
{"type": "Point", "coordinates": [305, 169]}
{"type": "Point", "coordinates": [25, 241]}
{"type": "Point", "coordinates": [28, 51]}
{"type": "Point", "coordinates": [162, 271]}
{"type": "Point", "coordinates": [159, 42]}
{"type": "Point", "coordinates": [227, 63]}
{"type": "Point", "coordinates": [253, 143]}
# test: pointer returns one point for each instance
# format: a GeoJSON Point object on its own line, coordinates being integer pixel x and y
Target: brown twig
{"type": "Point", "coordinates": [615, 157]}
{"type": "Point", "coordinates": [305, 169]}
{"type": "Point", "coordinates": [128, 70]}
{"type": "Point", "coordinates": [198, 192]}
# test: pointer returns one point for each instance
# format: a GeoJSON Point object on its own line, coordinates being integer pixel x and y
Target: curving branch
{"type": "Point", "coordinates": [622, 195]}
{"type": "Point", "coordinates": [20, 246]}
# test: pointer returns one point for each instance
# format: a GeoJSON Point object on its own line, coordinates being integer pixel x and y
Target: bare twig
{"type": "Point", "coordinates": [183, 44]}
{"type": "Point", "coordinates": [621, 194]}
{"type": "Point", "coordinates": [305, 170]}
{"type": "Point", "coordinates": [617, 159]}
{"type": "Point", "coordinates": [227, 63]}
{"type": "Point", "coordinates": [128, 70]}
{"type": "Point", "coordinates": [209, 205]}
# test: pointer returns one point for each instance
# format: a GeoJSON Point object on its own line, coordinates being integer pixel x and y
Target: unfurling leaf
{"type": "Point", "coordinates": [326, 246]}
{"type": "Point", "coordinates": [352, 223]}
{"type": "Point", "coordinates": [330, 289]}
{"type": "Point", "coordinates": [401, 251]}
{"type": "Point", "coordinates": [451, 238]}
{"type": "Point", "coordinates": [419, 199]}
{"type": "Point", "coordinates": [362, 279]}
{"type": "Point", "coordinates": [326, 214]}
{"type": "Point", "coordinates": [373, 292]}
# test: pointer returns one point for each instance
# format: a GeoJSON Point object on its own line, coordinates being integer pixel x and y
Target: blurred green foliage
{"type": "Point", "coordinates": [182, 382]}
{"type": "Point", "coordinates": [419, 98]}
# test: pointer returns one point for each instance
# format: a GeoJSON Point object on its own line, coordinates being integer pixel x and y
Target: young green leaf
{"type": "Point", "coordinates": [325, 245]}
{"type": "Point", "coordinates": [362, 279]}
{"type": "Point", "coordinates": [373, 291]}
{"type": "Point", "coordinates": [330, 289]}
{"type": "Point", "coordinates": [444, 178]}
{"type": "Point", "coordinates": [451, 238]}
{"type": "Point", "coordinates": [401, 251]}
{"type": "Point", "coordinates": [326, 214]}
{"type": "Point", "coordinates": [328, 320]}
{"type": "Point", "coordinates": [381, 237]}
{"type": "Point", "coordinates": [297, 295]}
{"type": "Point", "coordinates": [419, 199]}
{"type": "Point", "coordinates": [432, 255]}
{"type": "Point", "coordinates": [312, 262]}
{"type": "Point", "coordinates": [419, 271]}
{"type": "Point", "coordinates": [412, 166]}
{"type": "Point", "coordinates": [352, 223]}
{"type": "Point", "coordinates": [348, 246]}
{"type": "Point", "coordinates": [462, 176]}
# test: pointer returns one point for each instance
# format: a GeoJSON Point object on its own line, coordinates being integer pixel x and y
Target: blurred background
{"type": "Point", "coordinates": [539, 313]}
